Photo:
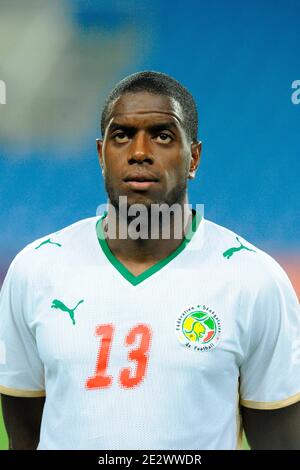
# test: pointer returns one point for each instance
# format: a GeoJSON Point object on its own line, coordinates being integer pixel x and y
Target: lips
{"type": "Point", "coordinates": [140, 181]}
{"type": "Point", "coordinates": [141, 177]}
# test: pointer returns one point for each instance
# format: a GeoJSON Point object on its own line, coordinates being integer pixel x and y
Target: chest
{"type": "Point", "coordinates": [95, 325]}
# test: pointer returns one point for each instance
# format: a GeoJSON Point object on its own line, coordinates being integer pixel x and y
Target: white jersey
{"type": "Point", "coordinates": [163, 360]}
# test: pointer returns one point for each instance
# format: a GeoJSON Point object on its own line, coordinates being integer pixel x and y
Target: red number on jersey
{"type": "Point", "coordinates": [139, 354]}
{"type": "Point", "coordinates": [101, 379]}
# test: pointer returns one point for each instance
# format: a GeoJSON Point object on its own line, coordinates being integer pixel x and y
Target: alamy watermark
{"type": "Point", "coordinates": [295, 96]}
{"type": "Point", "coordinates": [2, 92]}
{"type": "Point", "coordinates": [144, 222]}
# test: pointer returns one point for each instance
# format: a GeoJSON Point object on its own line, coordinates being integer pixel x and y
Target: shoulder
{"type": "Point", "coordinates": [73, 231]}
{"type": "Point", "coordinates": [40, 253]}
{"type": "Point", "coordinates": [243, 261]}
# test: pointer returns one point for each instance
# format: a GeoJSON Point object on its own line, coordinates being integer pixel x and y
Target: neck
{"type": "Point", "coordinates": [159, 236]}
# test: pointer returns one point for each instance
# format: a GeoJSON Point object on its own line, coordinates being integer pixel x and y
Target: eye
{"type": "Point", "coordinates": [120, 137]}
{"type": "Point", "coordinates": [164, 138]}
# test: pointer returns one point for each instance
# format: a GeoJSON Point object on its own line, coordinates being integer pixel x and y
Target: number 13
{"type": "Point", "coordinates": [140, 354]}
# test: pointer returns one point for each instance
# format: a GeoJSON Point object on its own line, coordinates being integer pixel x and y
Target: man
{"type": "Point", "coordinates": [143, 342]}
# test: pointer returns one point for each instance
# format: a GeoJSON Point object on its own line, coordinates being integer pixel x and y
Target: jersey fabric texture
{"type": "Point", "coordinates": [163, 360]}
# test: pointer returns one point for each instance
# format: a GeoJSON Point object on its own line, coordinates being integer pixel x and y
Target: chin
{"type": "Point", "coordinates": [145, 201]}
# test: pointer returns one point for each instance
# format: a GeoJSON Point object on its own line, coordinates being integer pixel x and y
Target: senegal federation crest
{"type": "Point", "coordinates": [198, 328]}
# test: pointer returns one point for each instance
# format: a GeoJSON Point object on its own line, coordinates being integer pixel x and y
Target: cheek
{"type": "Point", "coordinates": [113, 167]}
{"type": "Point", "coordinates": [173, 178]}
{"type": "Point", "coordinates": [112, 157]}
{"type": "Point", "coordinates": [177, 171]}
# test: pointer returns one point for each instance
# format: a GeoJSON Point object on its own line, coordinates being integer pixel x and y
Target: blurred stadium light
{"type": "Point", "coordinates": [58, 69]}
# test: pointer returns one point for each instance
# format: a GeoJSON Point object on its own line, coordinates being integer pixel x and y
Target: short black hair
{"type": "Point", "coordinates": [157, 83]}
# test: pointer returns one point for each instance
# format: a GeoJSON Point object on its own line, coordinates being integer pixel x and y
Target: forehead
{"type": "Point", "coordinates": [143, 105]}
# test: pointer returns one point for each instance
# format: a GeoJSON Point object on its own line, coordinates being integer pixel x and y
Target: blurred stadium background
{"type": "Point", "coordinates": [239, 59]}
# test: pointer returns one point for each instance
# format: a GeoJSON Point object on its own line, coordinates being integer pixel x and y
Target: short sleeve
{"type": "Point", "coordinates": [270, 372]}
{"type": "Point", "coordinates": [21, 369]}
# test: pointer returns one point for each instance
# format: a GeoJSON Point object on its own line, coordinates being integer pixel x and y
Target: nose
{"type": "Point", "coordinates": [140, 149]}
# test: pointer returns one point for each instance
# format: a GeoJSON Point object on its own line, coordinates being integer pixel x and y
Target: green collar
{"type": "Point", "coordinates": [135, 280]}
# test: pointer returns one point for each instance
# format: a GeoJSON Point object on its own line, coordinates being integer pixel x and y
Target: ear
{"type": "Point", "coordinates": [99, 143]}
{"type": "Point", "coordinates": [196, 148]}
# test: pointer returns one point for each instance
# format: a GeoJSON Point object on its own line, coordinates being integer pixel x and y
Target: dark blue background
{"type": "Point", "coordinates": [239, 60]}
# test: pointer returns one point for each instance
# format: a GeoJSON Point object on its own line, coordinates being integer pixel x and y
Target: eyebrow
{"type": "Point", "coordinates": [152, 127]}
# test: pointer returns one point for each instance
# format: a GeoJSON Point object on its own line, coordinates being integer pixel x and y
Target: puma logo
{"type": "Point", "coordinates": [45, 242]}
{"type": "Point", "coordinates": [228, 253]}
{"type": "Point", "coordinates": [61, 306]}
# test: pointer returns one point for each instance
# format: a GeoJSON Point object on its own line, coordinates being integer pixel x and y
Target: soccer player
{"type": "Point", "coordinates": [148, 342]}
